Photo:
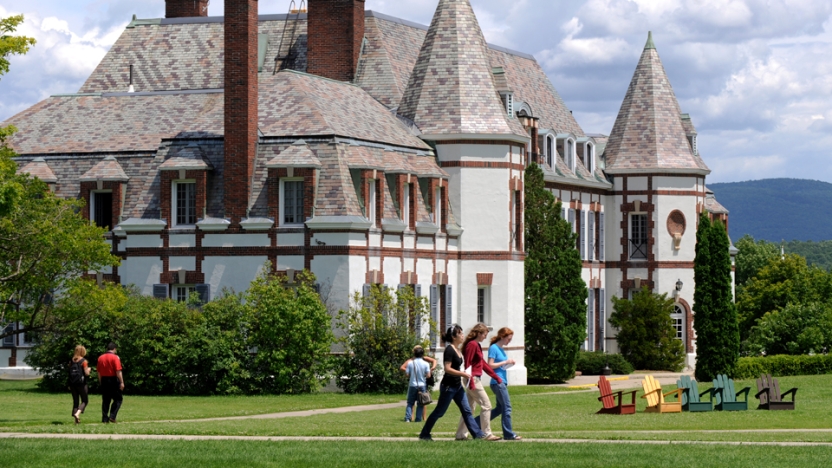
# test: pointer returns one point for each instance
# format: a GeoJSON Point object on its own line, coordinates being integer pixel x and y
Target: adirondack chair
{"type": "Point", "coordinates": [608, 398]}
{"type": "Point", "coordinates": [691, 398]}
{"type": "Point", "coordinates": [655, 397]}
{"type": "Point", "coordinates": [726, 397]}
{"type": "Point", "coordinates": [770, 396]}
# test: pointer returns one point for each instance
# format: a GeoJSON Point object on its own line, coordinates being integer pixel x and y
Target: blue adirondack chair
{"type": "Point", "coordinates": [691, 398]}
{"type": "Point", "coordinates": [726, 396]}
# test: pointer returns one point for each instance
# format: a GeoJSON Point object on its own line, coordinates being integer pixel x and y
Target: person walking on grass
{"type": "Point", "coordinates": [499, 361]}
{"type": "Point", "coordinates": [451, 389]}
{"type": "Point", "coordinates": [418, 371]}
{"type": "Point", "coordinates": [79, 370]}
{"type": "Point", "coordinates": [429, 382]}
{"type": "Point", "coordinates": [474, 360]}
{"type": "Point", "coordinates": [111, 381]}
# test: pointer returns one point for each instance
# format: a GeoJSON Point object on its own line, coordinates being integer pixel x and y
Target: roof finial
{"type": "Point", "coordinates": [649, 44]}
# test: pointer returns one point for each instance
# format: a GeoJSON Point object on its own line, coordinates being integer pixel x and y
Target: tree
{"type": "Point", "coordinates": [12, 45]}
{"type": "Point", "coordinates": [380, 331]}
{"type": "Point", "coordinates": [717, 332]}
{"type": "Point", "coordinates": [753, 256]}
{"type": "Point", "coordinates": [555, 319]}
{"type": "Point", "coordinates": [646, 336]}
{"type": "Point", "coordinates": [794, 329]}
{"type": "Point", "coordinates": [778, 284]}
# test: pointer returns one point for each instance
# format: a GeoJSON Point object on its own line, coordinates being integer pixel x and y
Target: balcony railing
{"type": "Point", "coordinates": [638, 250]}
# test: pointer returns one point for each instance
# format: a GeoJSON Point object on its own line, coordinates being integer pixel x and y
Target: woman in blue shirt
{"type": "Point", "coordinates": [499, 361]}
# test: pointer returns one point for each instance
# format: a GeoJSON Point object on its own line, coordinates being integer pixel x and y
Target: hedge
{"type": "Point", "coordinates": [783, 365]}
{"type": "Point", "coordinates": [592, 363]}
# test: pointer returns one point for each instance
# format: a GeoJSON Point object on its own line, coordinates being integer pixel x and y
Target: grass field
{"type": "Point", "coordinates": [539, 412]}
{"type": "Point", "coordinates": [28, 453]}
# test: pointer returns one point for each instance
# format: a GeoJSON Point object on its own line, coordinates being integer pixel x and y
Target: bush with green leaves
{"type": "Point", "coordinates": [794, 329]}
{"type": "Point", "coordinates": [380, 331]}
{"type": "Point", "coordinates": [593, 363]}
{"type": "Point", "coordinates": [646, 337]}
{"type": "Point", "coordinates": [169, 347]}
{"type": "Point", "coordinates": [783, 365]}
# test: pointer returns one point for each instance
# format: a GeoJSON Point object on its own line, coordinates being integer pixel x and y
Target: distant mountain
{"type": "Point", "coordinates": [777, 209]}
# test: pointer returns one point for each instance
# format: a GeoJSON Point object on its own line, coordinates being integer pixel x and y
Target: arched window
{"type": "Point", "coordinates": [678, 318]}
{"type": "Point", "coordinates": [550, 150]}
{"type": "Point", "coordinates": [570, 154]}
{"type": "Point", "coordinates": [588, 160]}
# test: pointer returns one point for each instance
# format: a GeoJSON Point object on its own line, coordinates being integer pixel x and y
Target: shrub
{"type": "Point", "coordinates": [646, 336]}
{"type": "Point", "coordinates": [380, 331]}
{"type": "Point", "coordinates": [783, 365]}
{"type": "Point", "coordinates": [795, 329]}
{"type": "Point", "coordinates": [592, 363]}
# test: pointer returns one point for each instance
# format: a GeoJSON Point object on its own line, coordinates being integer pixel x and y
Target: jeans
{"type": "Point", "coordinates": [503, 408]}
{"type": "Point", "coordinates": [412, 398]}
{"type": "Point", "coordinates": [110, 391]}
{"type": "Point", "coordinates": [446, 395]}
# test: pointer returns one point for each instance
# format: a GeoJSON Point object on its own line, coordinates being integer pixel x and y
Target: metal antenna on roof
{"type": "Point", "coordinates": [284, 61]}
{"type": "Point", "coordinates": [130, 88]}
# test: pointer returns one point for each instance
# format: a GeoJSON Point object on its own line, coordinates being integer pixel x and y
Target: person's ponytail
{"type": "Point", "coordinates": [450, 333]}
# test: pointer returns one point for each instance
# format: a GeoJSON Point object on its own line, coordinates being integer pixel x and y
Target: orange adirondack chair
{"type": "Point", "coordinates": [608, 398]}
{"type": "Point", "coordinates": [655, 397]}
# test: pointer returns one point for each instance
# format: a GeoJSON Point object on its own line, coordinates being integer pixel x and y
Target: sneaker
{"type": "Point", "coordinates": [461, 438]}
{"type": "Point", "coordinates": [491, 438]}
{"type": "Point", "coordinates": [77, 416]}
{"type": "Point", "coordinates": [112, 421]}
{"type": "Point", "coordinates": [426, 438]}
{"type": "Point", "coordinates": [515, 438]}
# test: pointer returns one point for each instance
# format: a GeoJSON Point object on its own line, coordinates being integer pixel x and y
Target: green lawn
{"type": "Point", "coordinates": [25, 453]}
{"type": "Point", "coordinates": [540, 412]}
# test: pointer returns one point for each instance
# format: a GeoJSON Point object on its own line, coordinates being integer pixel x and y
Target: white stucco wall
{"type": "Point", "coordinates": [143, 272]}
{"type": "Point", "coordinates": [235, 273]}
{"type": "Point", "coordinates": [236, 240]}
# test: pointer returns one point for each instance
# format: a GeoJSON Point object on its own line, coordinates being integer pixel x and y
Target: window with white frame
{"type": "Point", "coordinates": [184, 202]}
{"type": "Point", "coordinates": [588, 160]}
{"type": "Point", "coordinates": [550, 150]}
{"type": "Point", "coordinates": [638, 236]}
{"type": "Point", "coordinates": [678, 318]}
{"type": "Point", "coordinates": [182, 292]}
{"type": "Point", "coordinates": [570, 154]}
{"type": "Point", "coordinates": [291, 209]}
{"type": "Point", "coordinates": [101, 208]}
{"type": "Point", "coordinates": [371, 203]}
{"type": "Point", "coordinates": [484, 304]}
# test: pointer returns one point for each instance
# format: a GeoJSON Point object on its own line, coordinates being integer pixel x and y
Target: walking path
{"type": "Point", "coordinates": [21, 435]}
{"type": "Point", "coordinates": [287, 414]}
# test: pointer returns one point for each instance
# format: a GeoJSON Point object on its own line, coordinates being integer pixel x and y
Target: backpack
{"type": "Point", "coordinates": [76, 372]}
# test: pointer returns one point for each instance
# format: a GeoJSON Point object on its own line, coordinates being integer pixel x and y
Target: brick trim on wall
{"type": "Point", "coordinates": [166, 192]}
{"type": "Point", "coordinates": [482, 165]}
{"type": "Point", "coordinates": [86, 194]}
{"type": "Point", "coordinates": [485, 279]}
{"type": "Point", "coordinates": [480, 142]}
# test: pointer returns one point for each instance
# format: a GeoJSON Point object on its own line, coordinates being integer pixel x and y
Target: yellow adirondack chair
{"type": "Point", "coordinates": [655, 397]}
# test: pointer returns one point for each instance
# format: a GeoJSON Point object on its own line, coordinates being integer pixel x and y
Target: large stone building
{"type": "Point", "coordinates": [369, 150]}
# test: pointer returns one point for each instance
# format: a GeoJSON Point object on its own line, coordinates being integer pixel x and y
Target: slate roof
{"type": "Point", "coordinates": [108, 169]}
{"type": "Point", "coordinates": [648, 133]}
{"type": "Point", "coordinates": [40, 169]}
{"type": "Point", "coordinates": [189, 157]}
{"type": "Point", "coordinates": [451, 90]}
{"type": "Point", "coordinates": [297, 155]}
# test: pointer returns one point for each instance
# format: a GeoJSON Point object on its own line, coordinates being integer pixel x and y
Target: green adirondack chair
{"type": "Point", "coordinates": [726, 397]}
{"type": "Point", "coordinates": [691, 398]}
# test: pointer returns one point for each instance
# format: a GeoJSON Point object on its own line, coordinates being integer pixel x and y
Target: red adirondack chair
{"type": "Point", "coordinates": [608, 398]}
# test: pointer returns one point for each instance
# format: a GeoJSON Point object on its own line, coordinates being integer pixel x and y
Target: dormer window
{"type": "Point", "coordinates": [550, 150]}
{"type": "Point", "coordinates": [692, 142]}
{"type": "Point", "coordinates": [569, 158]}
{"type": "Point", "coordinates": [589, 160]}
{"type": "Point", "coordinates": [508, 102]}
{"type": "Point", "coordinates": [184, 202]}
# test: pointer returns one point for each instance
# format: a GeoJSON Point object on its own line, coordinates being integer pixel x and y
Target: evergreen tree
{"type": "Point", "coordinates": [701, 292]}
{"type": "Point", "coordinates": [555, 318]}
{"type": "Point", "coordinates": [646, 336]}
{"type": "Point", "coordinates": [717, 330]}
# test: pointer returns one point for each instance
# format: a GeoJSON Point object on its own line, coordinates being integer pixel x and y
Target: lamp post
{"type": "Point", "coordinates": [679, 285]}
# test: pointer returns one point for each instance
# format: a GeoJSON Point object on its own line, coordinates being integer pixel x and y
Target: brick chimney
{"type": "Point", "coordinates": [185, 8]}
{"type": "Point", "coordinates": [335, 34]}
{"type": "Point", "coordinates": [240, 105]}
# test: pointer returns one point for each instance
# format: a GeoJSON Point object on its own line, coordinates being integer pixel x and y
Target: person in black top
{"type": "Point", "coordinates": [79, 371]}
{"type": "Point", "coordinates": [451, 389]}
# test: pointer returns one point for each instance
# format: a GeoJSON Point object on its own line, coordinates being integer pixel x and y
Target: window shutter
{"type": "Point", "coordinates": [563, 214]}
{"type": "Point", "coordinates": [601, 237]}
{"type": "Point", "coordinates": [449, 315]}
{"type": "Point", "coordinates": [204, 291]}
{"type": "Point", "coordinates": [590, 321]}
{"type": "Point", "coordinates": [365, 295]}
{"type": "Point", "coordinates": [590, 236]}
{"type": "Point", "coordinates": [317, 288]}
{"type": "Point", "coordinates": [582, 235]}
{"type": "Point", "coordinates": [602, 319]}
{"type": "Point", "coordinates": [417, 290]}
{"type": "Point", "coordinates": [572, 218]}
{"type": "Point", "coordinates": [160, 291]}
{"type": "Point", "coordinates": [434, 314]}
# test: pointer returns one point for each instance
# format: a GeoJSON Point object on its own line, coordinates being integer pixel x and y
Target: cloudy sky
{"type": "Point", "coordinates": [755, 75]}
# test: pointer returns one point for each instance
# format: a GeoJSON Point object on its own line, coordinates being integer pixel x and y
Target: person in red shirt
{"type": "Point", "coordinates": [474, 360]}
{"type": "Point", "coordinates": [111, 382]}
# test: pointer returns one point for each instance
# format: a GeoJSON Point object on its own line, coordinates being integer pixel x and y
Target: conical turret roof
{"type": "Point", "coordinates": [648, 134]}
{"type": "Point", "coordinates": [451, 90]}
